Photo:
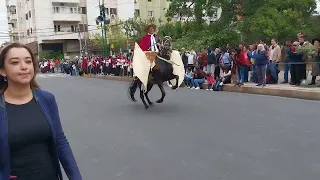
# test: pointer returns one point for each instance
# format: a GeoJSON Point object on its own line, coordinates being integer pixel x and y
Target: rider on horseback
{"type": "Point", "coordinates": [150, 41]}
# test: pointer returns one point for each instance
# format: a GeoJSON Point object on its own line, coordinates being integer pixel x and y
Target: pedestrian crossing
{"type": "Point", "coordinates": [55, 75]}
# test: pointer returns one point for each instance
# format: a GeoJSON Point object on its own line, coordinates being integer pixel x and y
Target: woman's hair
{"type": "Point", "coordinates": [261, 45]}
{"type": "Point", "coordinates": [3, 56]}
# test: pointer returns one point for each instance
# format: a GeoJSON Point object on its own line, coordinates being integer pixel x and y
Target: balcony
{"type": "Point", "coordinates": [64, 13]}
{"type": "Point", "coordinates": [66, 17]}
{"type": "Point", "coordinates": [61, 36]}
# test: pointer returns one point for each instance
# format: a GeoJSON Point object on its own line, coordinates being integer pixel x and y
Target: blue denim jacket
{"type": "Point", "coordinates": [63, 152]}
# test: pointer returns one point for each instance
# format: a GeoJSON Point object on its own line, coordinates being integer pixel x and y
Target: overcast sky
{"type": "Point", "coordinates": [4, 22]}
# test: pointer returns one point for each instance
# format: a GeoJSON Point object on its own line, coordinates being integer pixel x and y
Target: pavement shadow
{"type": "Point", "coordinates": [157, 109]}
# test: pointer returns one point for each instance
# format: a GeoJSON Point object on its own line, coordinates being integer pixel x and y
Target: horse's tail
{"type": "Point", "coordinates": [133, 87]}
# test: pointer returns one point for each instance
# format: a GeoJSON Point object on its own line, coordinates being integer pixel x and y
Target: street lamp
{"type": "Point", "coordinates": [103, 21]}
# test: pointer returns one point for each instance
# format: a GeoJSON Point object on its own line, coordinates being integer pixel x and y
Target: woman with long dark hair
{"type": "Point", "coordinates": [32, 142]}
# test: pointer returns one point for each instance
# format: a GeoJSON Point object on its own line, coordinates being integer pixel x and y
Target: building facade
{"type": "Point", "coordinates": [48, 26]}
{"type": "Point", "coordinates": [114, 9]}
{"type": "Point", "coordinates": [157, 9]}
{"type": "Point", "coordinates": [147, 9]}
{"type": "Point", "coordinates": [12, 20]}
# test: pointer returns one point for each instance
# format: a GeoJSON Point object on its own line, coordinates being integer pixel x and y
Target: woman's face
{"type": "Point", "coordinates": [18, 66]}
{"type": "Point", "coordinates": [316, 43]}
{"type": "Point", "coordinates": [260, 48]}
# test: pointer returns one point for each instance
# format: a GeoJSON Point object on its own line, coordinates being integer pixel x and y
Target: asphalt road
{"type": "Point", "coordinates": [193, 135]}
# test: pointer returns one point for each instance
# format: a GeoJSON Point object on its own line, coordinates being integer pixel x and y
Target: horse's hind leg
{"type": "Point", "coordinates": [149, 87]}
{"type": "Point", "coordinates": [132, 89]}
{"type": "Point", "coordinates": [177, 82]}
{"type": "Point", "coordinates": [142, 98]}
{"type": "Point", "coordinates": [163, 93]}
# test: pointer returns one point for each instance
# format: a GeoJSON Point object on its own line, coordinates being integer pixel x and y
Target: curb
{"type": "Point", "coordinates": [289, 93]}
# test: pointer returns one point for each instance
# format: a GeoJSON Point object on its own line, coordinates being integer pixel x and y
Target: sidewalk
{"type": "Point", "coordinates": [282, 90]}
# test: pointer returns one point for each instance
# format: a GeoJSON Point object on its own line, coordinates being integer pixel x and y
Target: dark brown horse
{"type": "Point", "coordinates": [163, 71]}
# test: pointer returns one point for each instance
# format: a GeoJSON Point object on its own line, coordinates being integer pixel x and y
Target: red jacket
{"type": "Point", "coordinates": [241, 60]}
{"type": "Point", "coordinates": [145, 42]}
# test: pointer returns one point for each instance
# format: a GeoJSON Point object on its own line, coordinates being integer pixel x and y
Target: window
{"type": "Point", "coordinates": [84, 10]}
{"type": "Point", "coordinates": [57, 28]}
{"type": "Point", "coordinates": [150, 13]}
{"type": "Point", "coordinates": [73, 10]}
{"type": "Point", "coordinates": [73, 28]}
{"type": "Point", "coordinates": [29, 14]}
{"type": "Point", "coordinates": [27, 17]}
{"type": "Point", "coordinates": [56, 9]}
{"type": "Point", "coordinates": [137, 12]}
{"type": "Point", "coordinates": [28, 32]}
{"type": "Point", "coordinates": [149, 0]}
{"type": "Point", "coordinates": [113, 11]}
{"type": "Point", "coordinates": [106, 10]}
{"type": "Point", "coordinates": [83, 27]}
{"type": "Point", "coordinates": [31, 30]}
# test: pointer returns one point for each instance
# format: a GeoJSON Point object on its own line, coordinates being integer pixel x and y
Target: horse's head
{"type": "Point", "coordinates": [166, 46]}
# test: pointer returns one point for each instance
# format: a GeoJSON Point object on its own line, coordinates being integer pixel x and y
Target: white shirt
{"type": "Point", "coordinates": [271, 53]}
{"type": "Point", "coordinates": [154, 47]}
{"type": "Point", "coordinates": [190, 58]}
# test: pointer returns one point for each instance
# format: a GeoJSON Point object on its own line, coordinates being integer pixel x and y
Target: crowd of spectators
{"type": "Point", "coordinates": [256, 63]}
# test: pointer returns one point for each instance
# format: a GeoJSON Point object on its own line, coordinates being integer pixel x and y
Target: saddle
{"type": "Point", "coordinates": [151, 56]}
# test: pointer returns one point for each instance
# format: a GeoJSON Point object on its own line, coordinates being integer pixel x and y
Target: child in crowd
{"type": "Point", "coordinates": [210, 80]}
{"type": "Point", "coordinates": [225, 79]}
{"type": "Point", "coordinates": [188, 78]}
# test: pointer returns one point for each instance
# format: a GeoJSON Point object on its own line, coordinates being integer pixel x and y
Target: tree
{"type": "Point", "coordinates": [279, 18]}
{"type": "Point", "coordinates": [95, 41]}
{"type": "Point", "coordinates": [116, 35]}
{"type": "Point", "coordinates": [135, 27]}
{"type": "Point", "coordinates": [253, 19]}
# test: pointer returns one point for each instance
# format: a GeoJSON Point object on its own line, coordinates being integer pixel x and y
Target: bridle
{"type": "Point", "coordinates": [166, 43]}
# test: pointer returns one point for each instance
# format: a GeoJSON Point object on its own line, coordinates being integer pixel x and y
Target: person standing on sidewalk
{"type": "Point", "coordinates": [286, 61]}
{"type": "Point", "coordinates": [316, 61]}
{"type": "Point", "coordinates": [297, 67]}
{"type": "Point", "coordinates": [260, 62]}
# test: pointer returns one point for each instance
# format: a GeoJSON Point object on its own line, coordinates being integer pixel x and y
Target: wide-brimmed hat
{"type": "Point", "coordinates": [150, 25]}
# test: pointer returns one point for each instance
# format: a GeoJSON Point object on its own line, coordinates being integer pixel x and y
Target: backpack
{"type": "Point", "coordinates": [225, 60]}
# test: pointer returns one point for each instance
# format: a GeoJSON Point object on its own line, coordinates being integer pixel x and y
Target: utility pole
{"type": "Point", "coordinates": [80, 40]}
{"type": "Point", "coordinates": [103, 21]}
{"type": "Point", "coordinates": [85, 35]}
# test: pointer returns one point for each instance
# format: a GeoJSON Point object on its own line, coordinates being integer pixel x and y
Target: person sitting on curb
{"type": "Point", "coordinates": [188, 78]}
{"type": "Point", "coordinates": [198, 78]}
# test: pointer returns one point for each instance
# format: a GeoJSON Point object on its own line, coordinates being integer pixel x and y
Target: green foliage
{"type": "Point", "coordinates": [50, 55]}
{"type": "Point", "coordinates": [241, 20]}
{"type": "Point", "coordinates": [197, 37]}
{"type": "Point", "coordinates": [264, 19]}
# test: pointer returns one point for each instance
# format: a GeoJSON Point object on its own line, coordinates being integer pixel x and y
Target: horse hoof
{"type": "Point", "coordinates": [151, 104]}
{"type": "Point", "coordinates": [146, 107]}
{"type": "Point", "coordinates": [159, 101]}
{"type": "Point", "coordinates": [174, 87]}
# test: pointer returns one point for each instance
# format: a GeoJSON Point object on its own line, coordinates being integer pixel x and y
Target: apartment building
{"type": "Point", "coordinates": [50, 25]}
{"type": "Point", "coordinates": [147, 9]}
{"type": "Point", "coordinates": [12, 20]}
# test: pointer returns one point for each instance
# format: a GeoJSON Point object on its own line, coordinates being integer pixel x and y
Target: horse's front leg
{"type": "Point", "coordinates": [177, 82]}
{"type": "Point", "coordinates": [163, 93]}
{"type": "Point", "coordinates": [149, 87]}
{"type": "Point", "coordinates": [142, 98]}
